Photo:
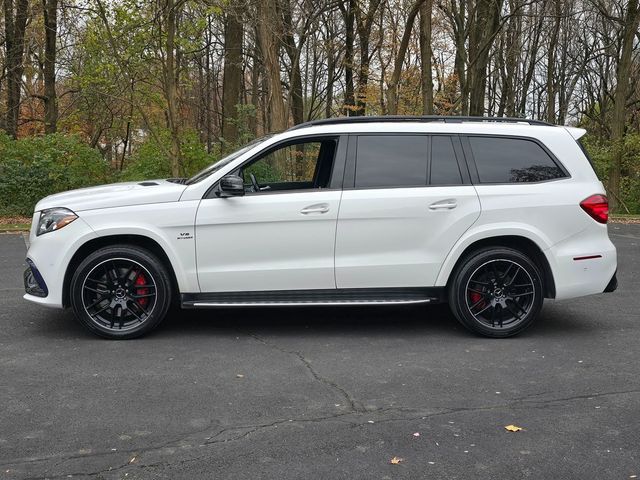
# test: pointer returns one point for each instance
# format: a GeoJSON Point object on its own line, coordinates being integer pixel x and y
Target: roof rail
{"type": "Point", "coordinates": [417, 118]}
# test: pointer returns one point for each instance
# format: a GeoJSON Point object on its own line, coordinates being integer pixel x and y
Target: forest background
{"type": "Point", "coordinates": [97, 91]}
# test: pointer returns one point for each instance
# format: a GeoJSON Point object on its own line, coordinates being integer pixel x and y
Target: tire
{"type": "Point", "coordinates": [496, 292]}
{"type": "Point", "coordinates": [121, 292]}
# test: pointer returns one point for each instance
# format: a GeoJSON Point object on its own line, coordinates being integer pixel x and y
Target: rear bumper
{"type": "Point", "coordinates": [612, 285]}
{"type": "Point", "coordinates": [583, 265]}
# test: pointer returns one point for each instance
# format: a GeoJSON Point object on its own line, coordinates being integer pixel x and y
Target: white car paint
{"type": "Point", "coordinates": [267, 242]}
{"type": "Point", "coordinates": [398, 237]}
{"type": "Point", "coordinates": [366, 238]}
{"type": "Point", "coordinates": [114, 195]}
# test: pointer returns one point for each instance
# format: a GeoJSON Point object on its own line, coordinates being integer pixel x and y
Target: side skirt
{"type": "Point", "coordinates": [341, 296]}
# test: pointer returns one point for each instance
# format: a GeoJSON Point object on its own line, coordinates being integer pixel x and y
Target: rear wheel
{"type": "Point", "coordinates": [496, 292]}
{"type": "Point", "coordinates": [120, 292]}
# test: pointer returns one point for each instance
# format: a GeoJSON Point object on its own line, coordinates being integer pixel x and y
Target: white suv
{"type": "Point", "coordinates": [490, 214]}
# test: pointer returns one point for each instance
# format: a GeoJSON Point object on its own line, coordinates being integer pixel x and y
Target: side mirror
{"type": "Point", "coordinates": [231, 186]}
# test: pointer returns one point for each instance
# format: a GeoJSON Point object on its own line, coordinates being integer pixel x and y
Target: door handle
{"type": "Point", "coordinates": [317, 208]}
{"type": "Point", "coordinates": [448, 204]}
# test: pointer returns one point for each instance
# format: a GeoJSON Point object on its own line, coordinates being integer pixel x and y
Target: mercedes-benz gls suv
{"type": "Point", "coordinates": [490, 215]}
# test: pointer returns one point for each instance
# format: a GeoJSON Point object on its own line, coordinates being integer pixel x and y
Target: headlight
{"type": "Point", "coordinates": [54, 219]}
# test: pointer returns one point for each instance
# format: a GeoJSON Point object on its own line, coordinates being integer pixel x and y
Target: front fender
{"type": "Point", "coordinates": [170, 225]}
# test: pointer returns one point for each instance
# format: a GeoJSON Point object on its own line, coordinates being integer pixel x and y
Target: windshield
{"type": "Point", "coordinates": [225, 161]}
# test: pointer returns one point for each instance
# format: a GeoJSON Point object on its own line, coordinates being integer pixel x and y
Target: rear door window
{"type": "Point", "coordinates": [391, 161]}
{"type": "Point", "coordinates": [512, 160]}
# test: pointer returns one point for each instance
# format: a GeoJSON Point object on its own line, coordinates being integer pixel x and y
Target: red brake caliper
{"type": "Point", "coordinates": [141, 280]}
{"type": "Point", "coordinates": [475, 298]}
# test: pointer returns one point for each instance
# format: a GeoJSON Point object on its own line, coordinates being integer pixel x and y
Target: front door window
{"type": "Point", "coordinates": [297, 166]}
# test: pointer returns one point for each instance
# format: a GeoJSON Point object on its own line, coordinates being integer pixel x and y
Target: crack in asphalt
{"type": "Point", "coordinates": [354, 405]}
{"type": "Point", "coordinates": [243, 431]}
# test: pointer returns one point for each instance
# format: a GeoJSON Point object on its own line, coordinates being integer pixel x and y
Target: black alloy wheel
{"type": "Point", "coordinates": [496, 292]}
{"type": "Point", "coordinates": [120, 292]}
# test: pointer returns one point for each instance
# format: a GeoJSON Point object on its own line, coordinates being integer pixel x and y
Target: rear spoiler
{"type": "Point", "coordinates": [575, 132]}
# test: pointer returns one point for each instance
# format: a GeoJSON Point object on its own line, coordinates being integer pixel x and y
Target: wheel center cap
{"type": "Point", "coordinates": [498, 292]}
{"type": "Point", "coordinates": [120, 292]}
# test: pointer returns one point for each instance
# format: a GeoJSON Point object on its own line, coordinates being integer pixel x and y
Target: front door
{"type": "Point", "coordinates": [281, 234]}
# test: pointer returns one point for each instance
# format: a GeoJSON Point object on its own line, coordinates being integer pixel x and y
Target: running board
{"type": "Point", "coordinates": [297, 298]}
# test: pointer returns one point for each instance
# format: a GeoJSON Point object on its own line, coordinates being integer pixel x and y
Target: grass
{"type": "Point", "coordinates": [14, 224]}
{"type": "Point", "coordinates": [14, 227]}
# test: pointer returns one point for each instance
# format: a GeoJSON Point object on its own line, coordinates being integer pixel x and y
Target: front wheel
{"type": "Point", "coordinates": [120, 292]}
{"type": "Point", "coordinates": [496, 292]}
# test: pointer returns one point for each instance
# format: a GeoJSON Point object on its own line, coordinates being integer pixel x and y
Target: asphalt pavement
{"type": "Point", "coordinates": [323, 393]}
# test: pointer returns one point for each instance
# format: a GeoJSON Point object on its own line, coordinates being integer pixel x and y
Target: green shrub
{"type": "Point", "coordinates": [151, 159]}
{"type": "Point", "coordinates": [601, 152]}
{"type": "Point", "coordinates": [34, 167]}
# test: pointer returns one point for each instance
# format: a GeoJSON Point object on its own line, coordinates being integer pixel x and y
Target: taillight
{"type": "Point", "coordinates": [597, 206]}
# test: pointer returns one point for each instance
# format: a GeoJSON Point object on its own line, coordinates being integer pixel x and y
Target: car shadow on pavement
{"type": "Point", "coordinates": [431, 321]}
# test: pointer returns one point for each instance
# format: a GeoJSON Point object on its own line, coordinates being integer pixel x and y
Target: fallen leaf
{"type": "Point", "coordinates": [396, 460]}
{"type": "Point", "coordinates": [512, 428]}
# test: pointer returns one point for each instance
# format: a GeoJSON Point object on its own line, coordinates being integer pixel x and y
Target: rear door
{"type": "Point", "coordinates": [407, 200]}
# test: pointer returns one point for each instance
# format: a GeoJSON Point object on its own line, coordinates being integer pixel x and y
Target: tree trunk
{"type": "Point", "coordinates": [269, 29]}
{"type": "Point", "coordinates": [331, 67]}
{"type": "Point", "coordinates": [15, 27]}
{"type": "Point", "coordinates": [482, 33]}
{"type": "Point", "coordinates": [50, 11]}
{"type": "Point", "coordinates": [513, 51]}
{"type": "Point", "coordinates": [456, 13]}
{"type": "Point", "coordinates": [171, 87]}
{"type": "Point", "coordinates": [349, 90]}
{"type": "Point", "coordinates": [363, 77]}
{"type": "Point", "coordinates": [426, 74]}
{"type": "Point", "coordinates": [232, 78]}
{"type": "Point", "coordinates": [532, 52]}
{"type": "Point", "coordinates": [623, 84]}
{"type": "Point", "coordinates": [208, 89]}
{"type": "Point", "coordinates": [364, 24]}
{"type": "Point", "coordinates": [551, 64]}
{"type": "Point", "coordinates": [295, 75]}
{"type": "Point", "coordinates": [392, 87]}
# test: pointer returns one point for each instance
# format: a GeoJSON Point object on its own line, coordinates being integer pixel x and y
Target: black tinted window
{"type": "Point", "coordinates": [512, 160]}
{"type": "Point", "coordinates": [391, 161]}
{"type": "Point", "coordinates": [444, 166]}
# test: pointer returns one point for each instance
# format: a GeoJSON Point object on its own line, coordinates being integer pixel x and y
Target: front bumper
{"type": "Point", "coordinates": [34, 284]}
{"type": "Point", "coordinates": [48, 258]}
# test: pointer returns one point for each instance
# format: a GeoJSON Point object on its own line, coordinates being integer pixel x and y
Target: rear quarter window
{"type": "Point", "coordinates": [512, 160]}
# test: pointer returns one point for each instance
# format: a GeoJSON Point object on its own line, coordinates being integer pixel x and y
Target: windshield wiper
{"type": "Point", "coordinates": [182, 181]}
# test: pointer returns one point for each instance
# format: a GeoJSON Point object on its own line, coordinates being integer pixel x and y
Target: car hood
{"type": "Point", "coordinates": [114, 195]}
